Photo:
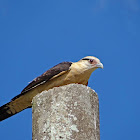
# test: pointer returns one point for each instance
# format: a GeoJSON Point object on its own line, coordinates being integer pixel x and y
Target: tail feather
{"type": "Point", "coordinates": [5, 112]}
{"type": "Point", "coordinates": [13, 108]}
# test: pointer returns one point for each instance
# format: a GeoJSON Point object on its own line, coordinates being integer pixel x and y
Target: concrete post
{"type": "Point", "coordinates": [69, 112]}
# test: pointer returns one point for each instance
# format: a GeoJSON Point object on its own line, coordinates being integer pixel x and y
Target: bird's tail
{"type": "Point", "coordinates": [12, 108]}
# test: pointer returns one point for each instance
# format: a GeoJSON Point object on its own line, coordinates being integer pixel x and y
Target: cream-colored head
{"type": "Point", "coordinates": [91, 62]}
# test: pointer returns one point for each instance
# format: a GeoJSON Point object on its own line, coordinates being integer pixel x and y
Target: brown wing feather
{"type": "Point", "coordinates": [64, 66]}
{"type": "Point", "coordinates": [19, 103]}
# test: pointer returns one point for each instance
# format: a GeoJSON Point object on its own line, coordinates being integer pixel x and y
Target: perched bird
{"type": "Point", "coordinates": [59, 75]}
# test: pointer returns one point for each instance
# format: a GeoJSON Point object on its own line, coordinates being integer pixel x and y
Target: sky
{"type": "Point", "coordinates": [36, 35]}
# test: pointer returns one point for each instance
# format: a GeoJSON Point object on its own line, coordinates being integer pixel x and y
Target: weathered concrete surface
{"type": "Point", "coordinates": [70, 112]}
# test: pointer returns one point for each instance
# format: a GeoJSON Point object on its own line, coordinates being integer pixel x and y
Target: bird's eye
{"type": "Point", "coordinates": [91, 60]}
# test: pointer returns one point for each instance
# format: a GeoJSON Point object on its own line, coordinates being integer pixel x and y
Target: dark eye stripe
{"type": "Point", "coordinates": [85, 59]}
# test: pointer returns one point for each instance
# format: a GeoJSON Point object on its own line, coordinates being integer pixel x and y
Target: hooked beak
{"type": "Point", "coordinates": [99, 65]}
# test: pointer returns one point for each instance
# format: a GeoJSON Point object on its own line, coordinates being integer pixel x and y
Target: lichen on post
{"type": "Point", "coordinates": [68, 112]}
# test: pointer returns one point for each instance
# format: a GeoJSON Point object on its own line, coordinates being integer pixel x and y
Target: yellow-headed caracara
{"type": "Point", "coordinates": [61, 74]}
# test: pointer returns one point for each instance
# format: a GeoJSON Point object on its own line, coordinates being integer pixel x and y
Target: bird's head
{"type": "Point", "coordinates": [91, 62]}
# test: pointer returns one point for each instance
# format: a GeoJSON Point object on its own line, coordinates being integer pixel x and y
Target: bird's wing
{"type": "Point", "coordinates": [19, 103]}
{"type": "Point", "coordinates": [54, 71]}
